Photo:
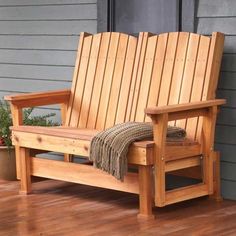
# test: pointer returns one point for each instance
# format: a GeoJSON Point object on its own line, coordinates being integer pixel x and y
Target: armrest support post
{"type": "Point", "coordinates": [160, 123]}
{"type": "Point", "coordinates": [17, 119]}
{"type": "Point", "coordinates": [64, 107]}
{"type": "Point", "coordinates": [208, 133]}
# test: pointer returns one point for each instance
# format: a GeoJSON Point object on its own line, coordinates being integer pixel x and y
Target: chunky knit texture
{"type": "Point", "coordinates": [109, 148]}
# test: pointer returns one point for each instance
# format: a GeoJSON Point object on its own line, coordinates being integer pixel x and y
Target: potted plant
{"type": "Point", "coordinates": [7, 152]}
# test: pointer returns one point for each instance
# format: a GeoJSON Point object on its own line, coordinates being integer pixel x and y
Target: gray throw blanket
{"type": "Point", "coordinates": [109, 148]}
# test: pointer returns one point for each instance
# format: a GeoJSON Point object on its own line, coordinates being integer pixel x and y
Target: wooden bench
{"type": "Point", "coordinates": [169, 78]}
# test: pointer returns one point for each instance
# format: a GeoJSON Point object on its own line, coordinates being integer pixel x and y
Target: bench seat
{"type": "Point", "coordinates": [76, 141]}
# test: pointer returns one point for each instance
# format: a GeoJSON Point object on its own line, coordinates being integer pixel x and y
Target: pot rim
{"type": "Point", "coordinates": [5, 147]}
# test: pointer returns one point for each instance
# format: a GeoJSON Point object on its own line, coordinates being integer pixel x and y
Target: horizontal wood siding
{"type": "Point", "coordinates": [38, 43]}
{"type": "Point", "coordinates": [14, 3]}
{"type": "Point", "coordinates": [217, 15]}
{"type": "Point", "coordinates": [228, 189]}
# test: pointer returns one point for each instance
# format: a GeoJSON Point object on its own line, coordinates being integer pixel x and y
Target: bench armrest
{"type": "Point", "coordinates": [39, 98]}
{"type": "Point", "coordinates": [186, 110]}
{"type": "Point", "coordinates": [183, 107]}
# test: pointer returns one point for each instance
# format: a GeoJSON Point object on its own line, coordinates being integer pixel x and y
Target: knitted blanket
{"type": "Point", "coordinates": [109, 148]}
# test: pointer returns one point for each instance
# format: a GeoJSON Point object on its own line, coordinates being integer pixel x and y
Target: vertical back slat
{"type": "Point", "coordinates": [146, 79]}
{"type": "Point", "coordinates": [137, 64]}
{"type": "Point", "coordinates": [79, 89]}
{"type": "Point", "coordinates": [105, 93]}
{"type": "Point", "coordinates": [126, 81]}
{"type": "Point", "coordinates": [116, 82]}
{"type": "Point", "coordinates": [212, 72]}
{"type": "Point", "coordinates": [98, 80]}
{"type": "Point", "coordinates": [88, 90]}
{"type": "Point", "coordinates": [213, 67]}
{"type": "Point", "coordinates": [139, 76]}
{"type": "Point", "coordinates": [198, 82]}
{"type": "Point", "coordinates": [157, 70]}
{"type": "Point", "coordinates": [178, 69]}
{"type": "Point", "coordinates": [178, 72]}
{"type": "Point", "coordinates": [189, 70]}
{"type": "Point", "coordinates": [75, 76]}
{"type": "Point", "coordinates": [168, 69]}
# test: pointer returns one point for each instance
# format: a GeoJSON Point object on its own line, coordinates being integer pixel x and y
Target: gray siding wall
{"type": "Point", "coordinates": [156, 16]}
{"type": "Point", "coordinates": [218, 15]}
{"type": "Point", "coordinates": [38, 42]}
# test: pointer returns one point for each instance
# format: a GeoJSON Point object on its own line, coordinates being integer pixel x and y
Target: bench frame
{"type": "Point", "coordinates": [153, 160]}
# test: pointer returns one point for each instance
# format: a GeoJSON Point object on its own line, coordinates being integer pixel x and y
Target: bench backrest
{"type": "Point", "coordinates": [116, 76]}
{"type": "Point", "coordinates": [102, 77]}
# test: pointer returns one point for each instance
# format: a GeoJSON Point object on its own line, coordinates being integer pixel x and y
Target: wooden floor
{"type": "Point", "coordinates": [59, 208]}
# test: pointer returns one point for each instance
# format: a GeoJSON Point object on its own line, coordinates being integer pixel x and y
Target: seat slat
{"type": "Point", "coordinates": [88, 134]}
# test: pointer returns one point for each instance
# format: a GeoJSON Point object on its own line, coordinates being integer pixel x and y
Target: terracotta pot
{"type": "Point", "coordinates": [7, 163]}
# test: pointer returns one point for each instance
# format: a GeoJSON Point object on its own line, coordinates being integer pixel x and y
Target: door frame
{"type": "Point", "coordinates": [106, 15]}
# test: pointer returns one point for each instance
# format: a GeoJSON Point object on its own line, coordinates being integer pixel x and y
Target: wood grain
{"type": "Point", "coordinates": [81, 208]}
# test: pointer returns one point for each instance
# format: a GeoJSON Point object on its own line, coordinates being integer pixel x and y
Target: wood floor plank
{"type": "Point", "coordinates": [60, 208]}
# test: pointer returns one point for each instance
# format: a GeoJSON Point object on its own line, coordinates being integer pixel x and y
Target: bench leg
{"type": "Point", "coordinates": [145, 192]}
{"type": "Point", "coordinates": [25, 183]}
{"type": "Point", "coordinates": [217, 191]}
{"type": "Point", "coordinates": [17, 153]}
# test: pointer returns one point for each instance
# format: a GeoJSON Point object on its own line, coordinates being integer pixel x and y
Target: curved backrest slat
{"type": "Point", "coordinates": [78, 90]}
{"type": "Point", "coordinates": [145, 82]}
{"type": "Point", "coordinates": [98, 81]}
{"type": "Point", "coordinates": [158, 68]}
{"type": "Point", "coordinates": [198, 81]}
{"type": "Point", "coordinates": [188, 74]}
{"type": "Point", "coordinates": [125, 87]}
{"type": "Point", "coordinates": [137, 76]}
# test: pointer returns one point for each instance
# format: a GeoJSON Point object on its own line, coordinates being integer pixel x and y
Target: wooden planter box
{"type": "Point", "coordinates": [7, 164]}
